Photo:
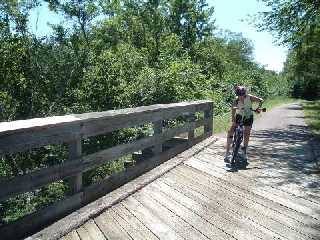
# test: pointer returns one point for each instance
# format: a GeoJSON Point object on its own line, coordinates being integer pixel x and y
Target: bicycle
{"type": "Point", "coordinates": [237, 140]}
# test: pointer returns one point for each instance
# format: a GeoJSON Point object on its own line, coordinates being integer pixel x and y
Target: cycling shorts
{"type": "Point", "coordinates": [247, 121]}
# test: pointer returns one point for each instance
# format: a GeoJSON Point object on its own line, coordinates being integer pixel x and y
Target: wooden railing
{"type": "Point", "coordinates": [20, 136]}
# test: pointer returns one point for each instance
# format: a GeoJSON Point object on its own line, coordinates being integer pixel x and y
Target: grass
{"type": "Point", "coordinates": [222, 122]}
{"type": "Point", "coordinates": [271, 103]}
{"type": "Point", "coordinates": [312, 116]}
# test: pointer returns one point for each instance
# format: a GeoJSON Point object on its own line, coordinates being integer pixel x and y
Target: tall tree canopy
{"type": "Point", "coordinates": [296, 23]}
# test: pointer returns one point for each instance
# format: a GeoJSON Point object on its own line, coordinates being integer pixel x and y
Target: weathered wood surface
{"type": "Point", "coordinates": [194, 197]}
{"type": "Point", "coordinates": [42, 177]}
{"type": "Point", "coordinates": [26, 134]}
{"type": "Point", "coordinates": [75, 152]}
{"type": "Point", "coordinates": [65, 225]}
{"type": "Point", "coordinates": [20, 136]}
{"type": "Point", "coordinates": [38, 220]}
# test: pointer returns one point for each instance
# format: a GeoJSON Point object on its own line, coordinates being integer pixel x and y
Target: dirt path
{"type": "Point", "coordinates": [280, 152]}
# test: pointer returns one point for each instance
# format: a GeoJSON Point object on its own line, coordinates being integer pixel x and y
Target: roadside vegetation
{"type": "Point", "coordinates": [312, 116]}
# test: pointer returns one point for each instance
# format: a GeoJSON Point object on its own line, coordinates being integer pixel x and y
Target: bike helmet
{"type": "Point", "coordinates": [240, 91]}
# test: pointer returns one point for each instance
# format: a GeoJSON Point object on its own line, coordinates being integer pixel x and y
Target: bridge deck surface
{"type": "Point", "coordinates": [199, 199]}
{"type": "Point", "coordinates": [194, 197]}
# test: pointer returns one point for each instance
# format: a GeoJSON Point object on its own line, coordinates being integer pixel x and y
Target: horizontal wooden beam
{"type": "Point", "coordinates": [48, 175]}
{"type": "Point", "coordinates": [18, 136]}
{"type": "Point", "coordinates": [41, 218]}
{"type": "Point", "coordinates": [32, 223]}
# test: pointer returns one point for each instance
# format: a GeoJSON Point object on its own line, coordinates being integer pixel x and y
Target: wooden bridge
{"type": "Point", "coordinates": [178, 188]}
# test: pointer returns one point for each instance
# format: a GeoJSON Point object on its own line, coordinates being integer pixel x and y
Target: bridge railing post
{"type": "Point", "coordinates": [191, 118]}
{"type": "Point", "coordinates": [157, 129]}
{"type": "Point", "coordinates": [75, 151]}
{"type": "Point", "coordinates": [208, 115]}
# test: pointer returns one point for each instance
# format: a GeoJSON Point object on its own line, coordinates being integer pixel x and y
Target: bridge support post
{"type": "Point", "coordinates": [75, 151]}
{"type": "Point", "coordinates": [208, 115]}
{"type": "Point", "coordinates": [157, 129]}
{"type": "Point", "coordinates": [191, 118]}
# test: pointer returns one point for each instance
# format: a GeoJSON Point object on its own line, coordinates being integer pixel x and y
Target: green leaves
{"type": "Point", "coordinates": [14, 16]}
{"type": "Point", "coordinates": [296, 23]}
{"type": "Point", "coordinates": [291, 20]}
{"type": "Point", "coordinates": [110, 76]}
{"type": "Point", "coordinates": [190, 20]}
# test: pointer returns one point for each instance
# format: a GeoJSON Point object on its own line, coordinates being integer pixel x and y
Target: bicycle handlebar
{"type": "Point", "coordinates": [257, 110]}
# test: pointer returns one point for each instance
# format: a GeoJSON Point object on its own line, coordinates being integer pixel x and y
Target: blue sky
{"type": "Point", "coordinates": [39, 19]}
{"type": "Point", "coordinates": [228, 15]}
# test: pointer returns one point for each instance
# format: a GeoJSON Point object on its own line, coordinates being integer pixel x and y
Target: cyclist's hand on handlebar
{"type": "Point", "coordinates": [259, 110]}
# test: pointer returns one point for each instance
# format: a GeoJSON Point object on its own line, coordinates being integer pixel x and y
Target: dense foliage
{"type": "Point", "coordinates": [114, 54]}
{"type": "Point", "coordinates": [296, 23]}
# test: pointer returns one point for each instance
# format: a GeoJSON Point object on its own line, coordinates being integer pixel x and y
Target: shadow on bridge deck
{"type": "Point", "coordinates": [192, 196]}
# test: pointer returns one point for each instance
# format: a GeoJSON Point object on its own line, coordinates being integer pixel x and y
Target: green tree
{"type": "Point", "coordinates": [80, 12]}
{"type": "Point", "coordinates": [190, 20]}
{"type": "Point", "coordinates": [296, 23]}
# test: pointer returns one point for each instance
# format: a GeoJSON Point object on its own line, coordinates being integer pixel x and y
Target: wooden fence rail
{"type": "Point", "coordinates": [19, 136]}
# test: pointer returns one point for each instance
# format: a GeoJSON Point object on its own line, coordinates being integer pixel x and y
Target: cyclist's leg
{"type": "Point", "coordinates": [247, 130]}
{"type": "Point", "coordinates": [229, 140]}
{"type": "Point", "coordinates": [230, 136]}
{"type": "Point", "coordinates": [231, 132]}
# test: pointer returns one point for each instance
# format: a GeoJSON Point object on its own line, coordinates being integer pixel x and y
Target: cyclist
{"type": "Point", "coordinates": [242, 107]}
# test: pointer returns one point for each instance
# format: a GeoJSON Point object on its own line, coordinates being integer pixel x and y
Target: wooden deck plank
{"type": "Point", "coordinates": [151, 221]}
{"type": "Point", "coordinates": [223, 214]}
{"type": "Point", "coordinates": [71, 236]}
{"type": "Point", "coordinates": [170, 218]}
{"type": "Point", "coordinates": [228, 204]}
{"type": "Point", "coordinates": [83, 234]}
{"type": "Point", "coordinates": [235, 226]}
{"type": "Point", "coordinates": [275, 173]}
{"type": "Point", "coordinates": [130, 226]}
{"type": "Point", "coordinates": [198, 222]}
{"type": "Point", "coordinates": [274, 176]}
{"type": "Point", "coordinates": [259, 191]}
{"type": "Point", "coordinates": [110, 228]}
{"type": "Point", "coordinates": [215, 190]}
{"type": "Point", "coordinates": [295, 202]}
{"type": "Point", "coordinates": [245, 191]}
{"type": "Point", "coordinates": [93, 230]}
{"type": "Point", "coordinates": [257, 176]}
{"type": "Point", "coordinates": [256, 187]}
{"type": "Point", "coordinates": [137, 226]}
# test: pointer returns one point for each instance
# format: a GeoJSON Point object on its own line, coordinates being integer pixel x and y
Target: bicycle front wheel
{"type": "Point", "coordinates": [236, 146]}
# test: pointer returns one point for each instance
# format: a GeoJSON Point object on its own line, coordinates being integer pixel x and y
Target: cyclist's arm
{"type": "Point", "coordinates": [256, 99]}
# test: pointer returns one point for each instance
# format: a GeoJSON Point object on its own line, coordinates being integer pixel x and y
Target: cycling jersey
{"type": "Point", "coordinates": [244, 108]}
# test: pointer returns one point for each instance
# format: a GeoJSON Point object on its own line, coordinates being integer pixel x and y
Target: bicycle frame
{"type": "Point", "coordinates": [238, 137]}
{"type": "Point", "coordinates": [237, 140]}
